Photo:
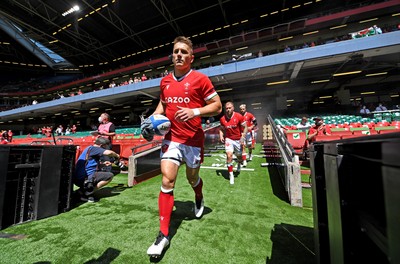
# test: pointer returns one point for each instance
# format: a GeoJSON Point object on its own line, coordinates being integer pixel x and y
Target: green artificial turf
{"type": "Point", "coordinates": [248, 222]}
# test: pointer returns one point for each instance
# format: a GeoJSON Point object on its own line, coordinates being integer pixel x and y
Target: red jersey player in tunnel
{"type": "Point", "coordinates": [186, 96]}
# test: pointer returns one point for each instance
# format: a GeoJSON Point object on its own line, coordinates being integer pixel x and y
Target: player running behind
{"type": "Point", "coordinates": [232, 134]}
{"type": "Point", "coordinates": [186, 96]}
{"type": "Point", "coordinates": [251, 122]}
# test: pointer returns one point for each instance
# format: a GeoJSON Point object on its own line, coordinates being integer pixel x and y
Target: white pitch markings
{"type": "Point", "coordinates": [224, 168]}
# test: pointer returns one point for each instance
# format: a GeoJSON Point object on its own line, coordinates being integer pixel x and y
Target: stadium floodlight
{"type": "Point", "coordinates": [73, 9]}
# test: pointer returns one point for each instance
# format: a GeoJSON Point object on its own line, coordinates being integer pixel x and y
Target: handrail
{"type": "Point", "coordinates": [288, 150]}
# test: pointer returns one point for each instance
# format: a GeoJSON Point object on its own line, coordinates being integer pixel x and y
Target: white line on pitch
{"type": "Point", "coordinates": [224, 168]}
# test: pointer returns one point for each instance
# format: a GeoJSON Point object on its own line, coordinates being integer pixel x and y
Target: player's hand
{"type": "Point", "coordinates": [147, 129]}
{"type": "Point", "coordinates": [184, 114]}
{"type": "Point", "coordinates": [222, 140]}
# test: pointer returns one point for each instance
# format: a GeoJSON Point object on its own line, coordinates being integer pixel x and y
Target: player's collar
{"type": "Point", "coordinates": [182, 77]}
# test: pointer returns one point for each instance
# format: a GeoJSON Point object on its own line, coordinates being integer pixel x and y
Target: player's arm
{"type": "Point", "coordinates": [222, 134]}
{"type": "Point", "coordinates": [110, 153]}
{"type": "Point", "coordinates": [160, 108]}
{"type": "Point", "coordinates": [244, 131]}
{"type": "Point", "coordinates": [213, 107]}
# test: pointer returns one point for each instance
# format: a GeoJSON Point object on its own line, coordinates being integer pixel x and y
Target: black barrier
{"type": "Point", "coordinates": [35, 182]}
{"type": "Point", "coordinates": [356, 220]}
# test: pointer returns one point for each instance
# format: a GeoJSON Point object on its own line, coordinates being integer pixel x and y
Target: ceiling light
{"type": "Point", "coordinates": [73, 9]}
{"type": "Point", "coordinates": [146, 101]}
{"type": "Point", "coordinates": [224, 90]}
{"type": "Point", "coordinates": [255, 103]}
{"type": "Point", "coordinates": [242, 48]}
{"type": "Point", "coordinates": [280, 82]}
{"type": "Point", "coordinates": [340, 26]}
{"type": "Point", "coordinates": [367, 93]}
{"type": "Point", "coordinates": [375, 74]}
{"type": "Point", "coordinates": [320, 81]}
{"type": "Point", "coordinates": [310, 33]}
{"type": "Point", "coordinates": [285, 38]}
{"type": "Point", "coordinates": [394, 95]}
{"type": "Point", "coordinates": [325, 97]}
{"type": "Point", "coordinates": [368, 20]}
{"type": "Point", "coordinates": [290, 100]}
{"type": "Point", "coordinates": [346, 73]}
{"type": "Point", "coordinates": [397, 14]}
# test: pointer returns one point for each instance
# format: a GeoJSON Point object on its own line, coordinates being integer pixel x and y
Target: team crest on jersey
{"type": "Point", "coordinates": [187, 88]}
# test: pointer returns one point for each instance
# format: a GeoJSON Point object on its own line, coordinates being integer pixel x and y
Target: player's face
{"type": "Point", "coordinates": [242, 110]}
{"type": "Point", "coordinates": [182, 56]}
{"type": "Point", "coordinates": [229, 109]}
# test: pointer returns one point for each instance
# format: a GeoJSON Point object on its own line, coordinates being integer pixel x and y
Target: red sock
{"type": "Point", "coordinates": [198, 189]}
{"type": "Point", "coordinates": [230, 168]}
{"type": "Point", "coordinates": [165, 207]}
{"type": "Point", "coordinates": [244, 157]}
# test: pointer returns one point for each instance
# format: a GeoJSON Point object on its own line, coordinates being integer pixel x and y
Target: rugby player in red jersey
{"type": "Point", "coordinates": [251, 122]}
{"type": "Point", "coordinates": [232, 133]}
{"type": "Point", "coordinates": [186, 96]}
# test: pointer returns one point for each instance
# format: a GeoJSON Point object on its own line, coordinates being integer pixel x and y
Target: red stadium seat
{"type": "Point", "coordinates": [328, 137]}
{"type": "Point", "coordinates": [297, 139]}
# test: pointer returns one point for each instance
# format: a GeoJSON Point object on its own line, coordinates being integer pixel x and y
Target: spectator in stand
{"type": "Point", "coordinates": [3, 140]}
{"type": "Point", "coordinates": [233, 134]}
{"type": "Point", "coordinates": [59, 130]}
{"type": "Point", "coordinates": [304, 124]}
{"type": "Point", "coordinates": [67, 130]}
{"type": "Point", "coordinates": [4, 135]}
{"type": "Point", "coordinates": [72, 94]}
{"type": "Point", "coordinates": [130, 80]}
{"type": "Point", "coordinates": [144, 77]}
{"type": "Point", "coordinates": [106, 129]}
{"type": "Point", "coordinates": [260, 53]}
{"type": "Point", "coordinates": [380, 108]}
{"type": "Point", "coordinates": [80, 92]}
{"type": "Point", "coordinates": [73, 129]}
{"type": "Point", "coordinates": [10, 135]}
{"type": "Point", "coordinates": [365, 111]}
{"type": "Point", "coordinates": [208, 124]}
{"type": "Point", "coordinates": [287, 48]}
{"type": "Point", "coordinates": [34, 102]}
{"type": "Point", "coordinates": [317, 129]}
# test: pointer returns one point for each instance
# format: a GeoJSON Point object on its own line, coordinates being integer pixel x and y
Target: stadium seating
{"type": "Point", "coordinates": [297, 138]}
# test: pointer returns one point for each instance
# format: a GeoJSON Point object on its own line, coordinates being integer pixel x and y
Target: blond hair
{"type": "Point", "coordinates": [185, 40]}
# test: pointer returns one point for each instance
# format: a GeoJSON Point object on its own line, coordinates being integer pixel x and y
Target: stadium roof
{"type": "Point", "coordinates": [106, 34]}
{"type": "Point", "coordinates": [110, 34]}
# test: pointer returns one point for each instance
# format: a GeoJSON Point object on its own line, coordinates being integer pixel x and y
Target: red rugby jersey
{"type": "Point", "coordinates": [233, 126]}
{"type": "Point", "coordinates": [191, 91]}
